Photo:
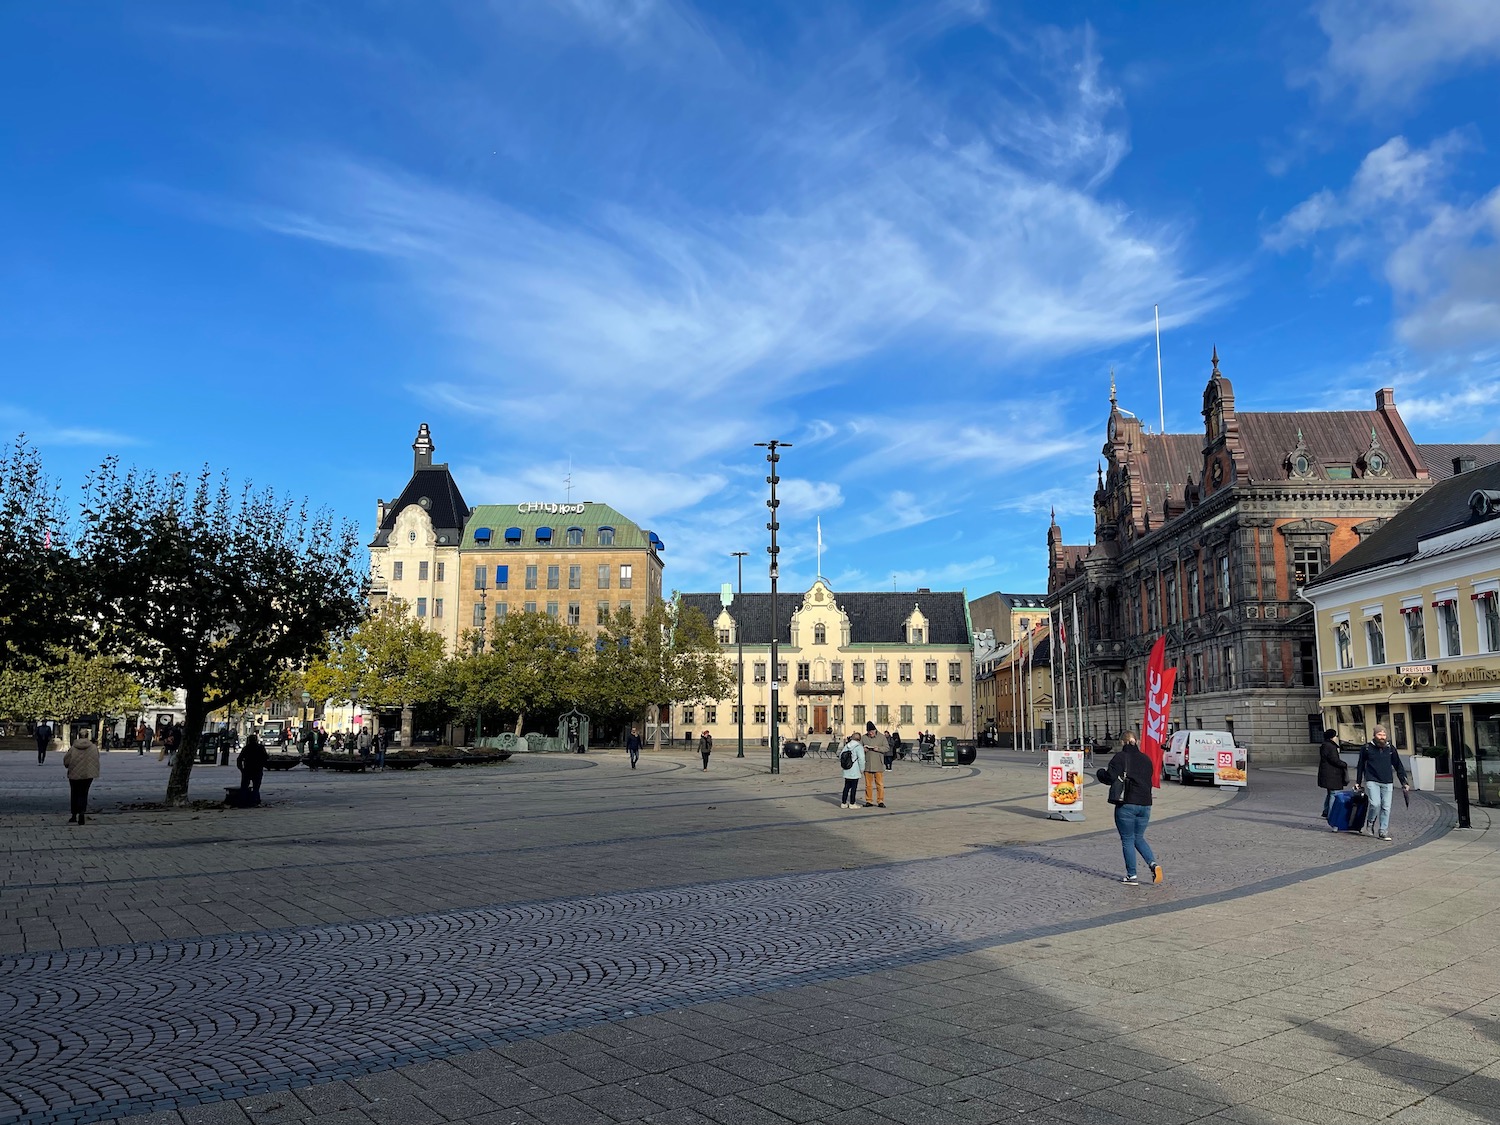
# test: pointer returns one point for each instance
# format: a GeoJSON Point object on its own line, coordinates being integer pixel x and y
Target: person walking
{"type": "Point", "coordinates": [82, 763]}
{"type": "Point", "coordinates": [1379, 766]}
{"type": "Point", "coordinates": [252, 763]}
{"type": "Point", "coordinates": [382, 740]}
{"type": "Point", "coordinates": [853, 754]}
{"type": "Point", "coordinates": [875, 766]}
{"type": "Point", "coordinates": [706, 747]}
{"type": "Point", "coordinates": [1333, 771]}
{"type": "Point", "coordinates": [1133, 813]}
{"type": "Point", "coordinates": [140, 738]}
{"type": "Point", "coordinates": [362, 742]}
{"type": "Point", "coordinates": [150, 737]}
{"type": "Point", "coordinates": [171, 741]}
{"type": "Point", "coordinates": [633, 747]}
{"type": "Point", "coordinates": [43, 734]}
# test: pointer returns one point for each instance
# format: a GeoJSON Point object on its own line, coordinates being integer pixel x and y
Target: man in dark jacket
{"type": "Point", "coordinates": [633, 747]}
{"type": "Point", "coordinates": [1379, 766]}
{"type": "Point", "coordinates": [43, 738]}
{"type": "Point", "coordinates": [1333, 771]}
{"type": "Point", "coordinates": [1134, 813]}
{"type": "Point", "coordinates": [252, 769]}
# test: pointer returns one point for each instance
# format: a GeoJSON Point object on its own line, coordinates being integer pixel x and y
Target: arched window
{"type": "Point", "coordinates": [575, 537]}
{"type": "Point", "coordinates": [820, 634]}
{"type": "Point", "coordinates": [544, 535]}
{"type": "Point", "coordinates": [606, 537]}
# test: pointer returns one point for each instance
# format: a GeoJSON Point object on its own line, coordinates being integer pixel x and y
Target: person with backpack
{"type": "Point", "coordinates": [1129, 776]}
{"type": "Point", "coordinates": [1379, 766]}
{"type": "Point", "coordinates": [852, 767]}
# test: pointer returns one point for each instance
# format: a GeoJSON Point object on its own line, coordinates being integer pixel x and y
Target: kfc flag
{"type": "Point", "coordinates": [1159, 681]}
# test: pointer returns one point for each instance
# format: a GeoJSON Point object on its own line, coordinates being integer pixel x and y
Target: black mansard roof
{"type": "Point", "coordinates": [874, 618]}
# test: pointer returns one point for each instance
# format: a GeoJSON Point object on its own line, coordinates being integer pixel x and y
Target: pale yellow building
{"type": "Point", "coordinates": [902, 660]}
{"type": "Point", "coordinates": [1408, 629]}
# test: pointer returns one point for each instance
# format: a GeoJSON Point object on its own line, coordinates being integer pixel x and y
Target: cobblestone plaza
{"type": "Point", "coordinates": [562, 939]}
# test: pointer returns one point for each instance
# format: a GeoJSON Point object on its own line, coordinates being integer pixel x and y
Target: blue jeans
{"type": "Point", "coordinates": [1379, 817]}
{"type": "Point", "coordinates": [1130, 822]}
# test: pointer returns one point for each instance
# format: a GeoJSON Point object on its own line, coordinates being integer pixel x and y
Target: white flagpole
{"type": "Point", "coordinates": [1161, 403]}
{"type": "Point", "coordinates": [1078, 669]}
{"type": "Point", "coordinates": [820, 546]}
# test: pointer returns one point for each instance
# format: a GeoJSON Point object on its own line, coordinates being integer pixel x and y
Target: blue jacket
{"type": "Point", "coordinates": [1380, 763]}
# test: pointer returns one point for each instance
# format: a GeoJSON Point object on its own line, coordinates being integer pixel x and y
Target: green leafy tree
{"type": "Point", "coordinates": [212, 593]}
{"type": "Point", "coordinates": [389, 660]}
{"type": "Point", "coordinates": [38, 579]}
{"type": "Point", "coordinates": [668, 655]}
{"type": "Point", "coordinates": [531, 664]}
{"type": "Point", "coordinates": [70, 685]}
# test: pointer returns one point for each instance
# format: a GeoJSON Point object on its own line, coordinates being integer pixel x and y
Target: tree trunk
{"type": "Point", "coordinates": [192, 730]}
{"type": "Point", "coordinates": [407, 721]}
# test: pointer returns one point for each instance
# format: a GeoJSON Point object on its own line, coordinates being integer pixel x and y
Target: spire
{"type": "Point", "coordinates": [1112, 398]}
{"type": "Point", "coordinates": [422, 449]}
{"type": "Point", "coordinates": [1215, 373]}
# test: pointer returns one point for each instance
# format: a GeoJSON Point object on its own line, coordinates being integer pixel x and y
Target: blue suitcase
{"type": "Point", "coordinates": [1347, 813]}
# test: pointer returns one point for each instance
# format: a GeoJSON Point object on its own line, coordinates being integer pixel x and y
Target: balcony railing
{"type": "Point", "coordinates": [820, 687]}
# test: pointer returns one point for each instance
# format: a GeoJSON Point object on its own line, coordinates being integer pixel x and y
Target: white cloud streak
{"type": "Point", "coordinates": [1388, 51]}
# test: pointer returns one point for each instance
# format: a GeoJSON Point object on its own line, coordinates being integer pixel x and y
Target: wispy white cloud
{"type": "Point", "coordinates": [808, 497]}
{"type": "Point", "coordinates": [43, 431]}
{"type": "Point", "coordinates": [1388, 51]}
{"type": "Point", "coordinates": [1439, 254]}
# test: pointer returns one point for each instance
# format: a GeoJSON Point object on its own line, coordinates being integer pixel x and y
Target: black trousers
{"type": "Point", "coordinates": [250, 783]}
{"type": "Point", "coordinates": [78, 792]}
{"type": "Point", "coordinates": [705, 754]}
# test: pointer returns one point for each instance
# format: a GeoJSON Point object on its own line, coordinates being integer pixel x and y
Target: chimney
{"type": "Point", "coordinates": [1463, 464]}
{"type": "Point", "coordinates": [1385, 398]}
{"type": "Point", "coordinates": [422, 448]}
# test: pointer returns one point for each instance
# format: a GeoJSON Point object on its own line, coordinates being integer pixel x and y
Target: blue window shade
{"type": "Point", "coordinates": [502, 575]}
{"type": "Point", "coordinates": [481, 535]}
{"type": "Point", "coordinates": [544, 535]}
{"type": "Point", "coordinates": [655, 541]}
{"type": "Point", "coordinates": [512, 534]}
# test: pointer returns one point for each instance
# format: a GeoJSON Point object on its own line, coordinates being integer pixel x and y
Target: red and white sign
{"type": "Point", "coordinates": [1159, 682]}
{"type": "Point", "coordinates": [1229, 766]}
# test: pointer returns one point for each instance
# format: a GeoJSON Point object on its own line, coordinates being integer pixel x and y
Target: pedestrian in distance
{"type": "Point", "coordinates": [633, 747]}
{"type": "Point", "coordinates": [148, 738]}
{"type": "Point", "coordinates": [1333, 771]}
{"type": "Point", "coordinates": [82, 763]}
{"type": "Point", "coordinates": [382, 740]}
{"type": "Point", "coordinates": [171, 741]}
{"type": "Point", "coordinates": [852, 767]}
{"type": "Point", "coordinates": [362, 741]}
{"type": "Point", "coordinates": [43, 734]}
{"type": "Point", "coordinates": [252, 763]}
{"type": "Point", "coordinates": [706, 747]}
{"type": "Point", "coordinates": [1379, 766]}
{"type": "Point", "coordinates": [875, 763]}
{"type": "Point", "coordinates": [1133, 812]}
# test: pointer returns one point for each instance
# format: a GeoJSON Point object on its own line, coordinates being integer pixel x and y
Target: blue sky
{"type": "Point", "coordinates": [637, 236]}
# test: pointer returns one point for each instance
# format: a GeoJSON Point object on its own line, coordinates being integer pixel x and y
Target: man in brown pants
{"type": "Point", "coordinates": [875, 747]}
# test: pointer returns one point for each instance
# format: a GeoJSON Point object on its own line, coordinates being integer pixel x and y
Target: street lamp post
{"type": "Point", "coordinates": [739, 638]}
{"type": "Point", "coordinates": [773, 526]}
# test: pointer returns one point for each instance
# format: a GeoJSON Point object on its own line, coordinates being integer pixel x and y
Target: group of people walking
{"type": "Point", "coordinates": [865, 756]}
{"type": "Point", "coordinates": [1376, 772]}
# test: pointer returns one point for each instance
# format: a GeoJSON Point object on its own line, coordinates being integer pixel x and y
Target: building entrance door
{"type": "Point", "coordinates": [820, 718]}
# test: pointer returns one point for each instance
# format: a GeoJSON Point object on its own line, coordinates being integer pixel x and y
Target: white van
{"type": "Point", "coordinates": [1192, 755]}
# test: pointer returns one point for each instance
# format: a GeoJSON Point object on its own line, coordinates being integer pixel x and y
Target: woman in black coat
{"type": "Point", "coordinates": [1133, 814]}
{"type": "Point", "coordinates": [1333, 771]}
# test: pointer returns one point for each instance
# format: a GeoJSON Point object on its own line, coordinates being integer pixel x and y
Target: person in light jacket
{"type": "Point", "coordinates": [851, 773]}
{"type": "Point", "coordinates": [82, 763]}
{"type": "Point", "coordinates": [1333, 771]}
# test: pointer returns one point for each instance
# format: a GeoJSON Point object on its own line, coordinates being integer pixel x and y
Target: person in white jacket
{"type": "Point", "coordinates": [852, 772]}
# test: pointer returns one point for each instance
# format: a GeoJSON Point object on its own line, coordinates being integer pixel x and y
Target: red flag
{"type": "Point", "coordinates": [1159, 682]}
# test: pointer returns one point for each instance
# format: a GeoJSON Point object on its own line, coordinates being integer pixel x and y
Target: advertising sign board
{"type": "Point", "coordinates": [1065, 774]}
{"type": "Point", "coordinates": [1229, 767]}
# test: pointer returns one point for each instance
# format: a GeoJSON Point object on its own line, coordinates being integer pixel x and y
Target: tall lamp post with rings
{"type": "Point", "coordinates": [773, 526]}
{"type": "Point", "coordinates": [739, 639]}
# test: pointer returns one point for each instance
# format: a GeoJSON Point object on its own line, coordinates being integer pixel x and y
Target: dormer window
{"type": "Point", "coordinates": [575, 537]}
{"type": "Point", "coordinates": [820, 634]}
{"type": "Point", "coordinates": [916, 635]}
{"type": "Point", "coordinates": [544, 535]}
{"type": "Point", "coordinates": [606, 537]}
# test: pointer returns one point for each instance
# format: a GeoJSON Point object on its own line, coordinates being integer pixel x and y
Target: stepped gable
{"type": "Point", "coordinates": [1443, 507]}
{"type": "Point", "coordinates": [874, 618]}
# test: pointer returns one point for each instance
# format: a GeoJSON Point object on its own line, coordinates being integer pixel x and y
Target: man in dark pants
{"type": "Point", "coordinates": [252, 769]}
{"type": "Point", "coordinates": [43, 736]}
{"type": "Point", "coordinates": [633, 747]}
{"type": "Point", "coordinates": [1333, 771]}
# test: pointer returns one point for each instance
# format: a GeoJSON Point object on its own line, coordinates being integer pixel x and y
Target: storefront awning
{"type": "Point", "coordinates": [1482, 697]}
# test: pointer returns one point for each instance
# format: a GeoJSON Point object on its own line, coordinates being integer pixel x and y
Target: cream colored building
{"type": "Point", "coordinates": [1408, 628]}
{"type": "Point", "coordinates": [902, 660]}
{"type": "Point", "coordinates": [458, 567]}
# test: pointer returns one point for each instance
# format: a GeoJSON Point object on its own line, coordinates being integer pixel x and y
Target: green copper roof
{"type": "Point", "coordinates": [499, 517]}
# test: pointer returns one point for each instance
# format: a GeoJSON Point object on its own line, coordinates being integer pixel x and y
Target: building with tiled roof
{"type": "Point", "coordinates": [1408, 629]}
{"type": "Point", "coordinates": [460, 568]}
{"type": "Point", "coordinates": [903, 660]}
{"type": "Point", "coordinates": [1207, 538]}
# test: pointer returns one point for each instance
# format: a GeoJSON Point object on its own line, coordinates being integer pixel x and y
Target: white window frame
{"type": "Point", "coordinates": [1343, 642]}
{"type": "Point", "coordinates": [1486, 599]}
{"type": "Point", "coordinates": [1373, 615]}
{"type": "Point", "coordinates": [1410, 607]}
{"type": "Point", "coordinates": [1450, 626]}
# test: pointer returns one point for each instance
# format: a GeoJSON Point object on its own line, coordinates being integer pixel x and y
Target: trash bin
{"type": "Point", "coordinates": [949, 752]}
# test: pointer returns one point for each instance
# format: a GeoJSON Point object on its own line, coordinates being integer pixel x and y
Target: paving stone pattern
{"type": "Point", "coordinates": [92, 1034]}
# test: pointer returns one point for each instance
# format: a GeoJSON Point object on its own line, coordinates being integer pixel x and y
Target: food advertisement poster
{"type": "Point", "coordinates": [1229, 765]}
{"type": "Point", "coordinates": [1064, 781]}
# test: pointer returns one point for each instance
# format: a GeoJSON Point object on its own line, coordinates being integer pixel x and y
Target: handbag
{"type": "Point", "coordinates": [1117, 789]}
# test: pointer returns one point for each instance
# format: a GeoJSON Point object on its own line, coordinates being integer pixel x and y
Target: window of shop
{"type": "Point", "coordinates": [1488, 611]}
{"type": "Point", "coordinates": [1398, 729]}
{"type": "Point", "coordinates": [1375, 638]}
{"type": "Point", "coordinates": [1447, 615]}
{"type": "Point", "coordinates": [1429, 730]}
{"type": "Point", "coordinates": [1416, 632]}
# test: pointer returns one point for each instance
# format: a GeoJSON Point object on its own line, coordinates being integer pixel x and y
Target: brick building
{"type": "Point", "coordinates": [1208, 538]}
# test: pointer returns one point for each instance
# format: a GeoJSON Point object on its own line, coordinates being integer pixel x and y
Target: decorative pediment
{"type": "Point", "coordinates": [1375, 461]}
{"type": "Point", "coordinates": [1319, 529]}
{"type": "Point", "coordinates": [1299, 461]}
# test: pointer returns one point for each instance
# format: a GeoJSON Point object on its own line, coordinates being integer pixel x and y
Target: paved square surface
{"type": "Point", "coordinates": [564, 939]}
